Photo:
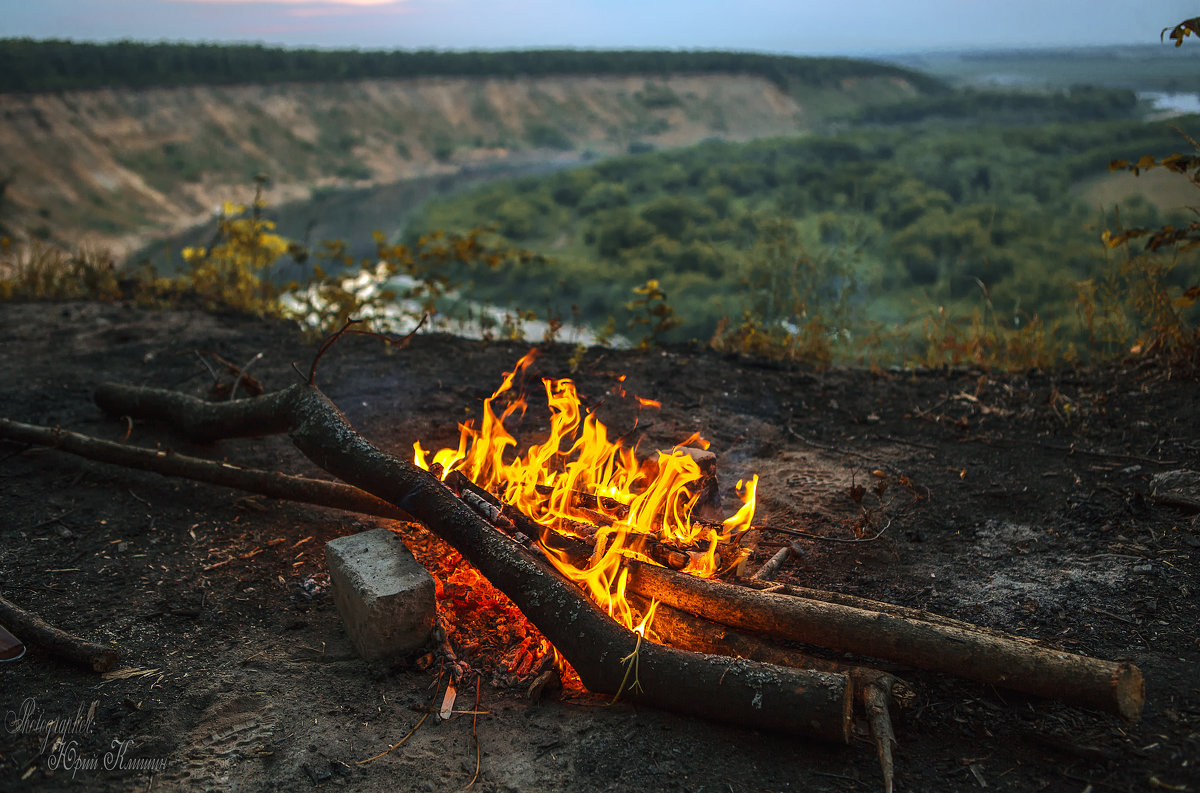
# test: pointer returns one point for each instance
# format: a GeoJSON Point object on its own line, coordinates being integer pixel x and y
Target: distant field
{"type": "Point", "coordinates": [1165, 191]}
{"type": "Point", "coordinates": [1153, 67]}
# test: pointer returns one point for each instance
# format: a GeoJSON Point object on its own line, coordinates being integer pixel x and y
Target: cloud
{"type": "Point", "coordinates": [359, 3]}
{"type": "Point", "coordinates": [326, 9]}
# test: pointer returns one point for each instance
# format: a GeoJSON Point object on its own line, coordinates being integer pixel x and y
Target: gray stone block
{"type": "Point", "coordinates": [384, 595]}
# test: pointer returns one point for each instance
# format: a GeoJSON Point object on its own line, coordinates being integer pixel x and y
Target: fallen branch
{"type": "Point", "coordinates": [1178, 500]}
{"type": "Point", "coordinates": [810, 703]}
{"type": "Point", "coordinates": [36, 631]}
{"type": "Point", "coordinates": [846, 623]}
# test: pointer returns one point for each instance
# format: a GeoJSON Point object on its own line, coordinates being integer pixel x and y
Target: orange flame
{"type": "Point", "coordinates": [577, 482]}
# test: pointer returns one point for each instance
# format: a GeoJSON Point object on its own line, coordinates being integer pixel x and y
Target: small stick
{"type": "Point", "coordinates": [876, 697]}
{"type": "Point", "coordinates": [772, 565]}
{"type": "Point", "coordinates": [808, 536]}
{"type": "Point", "coordinates": [58, 642]}
{"type": "Point", "coordinates": [1180, 500]}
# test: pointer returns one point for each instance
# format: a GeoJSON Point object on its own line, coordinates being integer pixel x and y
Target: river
{"type": "Point", "coordinates": [352, 214]}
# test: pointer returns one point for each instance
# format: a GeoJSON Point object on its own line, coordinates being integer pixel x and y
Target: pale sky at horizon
{"type": "Point", "coordinates": [794, 26]}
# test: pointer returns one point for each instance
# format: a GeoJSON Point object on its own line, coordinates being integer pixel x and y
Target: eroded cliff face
{"type": "Point", "coordinates": [118, 168]}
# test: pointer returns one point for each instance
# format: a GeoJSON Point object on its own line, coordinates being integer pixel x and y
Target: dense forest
{"type": "Point", "coordinates": [873, 228]}
{"type": "Point", "coordinates": [50, 65]}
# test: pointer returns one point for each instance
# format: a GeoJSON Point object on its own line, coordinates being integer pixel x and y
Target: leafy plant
{"type": "Point", "coordinates": [230, 274]}
{"type": "Point", "coordinates": [1188, 27]}
{"type": "Point", "coordinates": [652, 312]}
{"type": "Point", "coordinates": [1188, 237]}
{"type": "Point", "coordinates": [1144, 301]}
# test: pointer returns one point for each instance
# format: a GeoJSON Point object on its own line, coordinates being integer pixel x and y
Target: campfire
{"type": "Point", "coordinates": [618, 556]}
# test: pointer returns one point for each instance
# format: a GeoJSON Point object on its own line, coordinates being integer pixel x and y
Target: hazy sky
{"type": "Point", "coordinates": [800, 26]}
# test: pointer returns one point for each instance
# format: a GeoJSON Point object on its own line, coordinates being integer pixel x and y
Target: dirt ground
{"type": "Point", "coordinates": [1021, 502]}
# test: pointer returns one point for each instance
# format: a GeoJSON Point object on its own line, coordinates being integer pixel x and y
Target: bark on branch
{"type": "Point", "coordinates": [754, 694]}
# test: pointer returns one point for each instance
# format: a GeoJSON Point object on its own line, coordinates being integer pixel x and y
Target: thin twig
{"type": "Point", "coordinates": [208, 366]}
{"type": "Point", "coordinates": [237, 381]}
{"type": "Point", "coordinates": [325, 345]}
{"type": "Point", "coordinates": [772, 565]}
{"type": "Point", "coordinates": [809, 536]}
{"type": "Point", "coordinates": [346, 329]}
{"type": "Point", "coordinates": [394, 746]}
{"type": "Point", "coordinates": [48, 521]}
{"type": "Point", "coordinates": [475, 737]}
{"type": "Point", "coordinates": [1072, 449]}
{"type": "Point", "coordinates": [848, 452]}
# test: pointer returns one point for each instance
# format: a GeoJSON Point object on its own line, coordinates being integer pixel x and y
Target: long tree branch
{"type": "Point", "coordinates": [336, 495]}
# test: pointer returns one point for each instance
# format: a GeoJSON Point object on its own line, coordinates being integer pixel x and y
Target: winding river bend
{"type": "Point", "coordinates": [352, 214]}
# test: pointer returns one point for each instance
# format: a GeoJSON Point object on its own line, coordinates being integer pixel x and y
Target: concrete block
{"type": "Point", "coordinates": [384, 595]}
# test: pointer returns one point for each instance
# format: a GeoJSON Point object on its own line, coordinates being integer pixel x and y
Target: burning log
{"type": "Point", "coordinates": [607, 657]}
{"type": "Point", "coordinates": [985, 656]}
{"type": "Point", "coordinates": [846, 623]}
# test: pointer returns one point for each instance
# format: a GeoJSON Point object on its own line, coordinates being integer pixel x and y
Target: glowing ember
{"type": "Point", "coordinates": [579, 483]}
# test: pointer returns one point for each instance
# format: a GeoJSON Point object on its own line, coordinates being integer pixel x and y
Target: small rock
{"type": "Point", "coordinates": [314, 586]}
{"type": "Point", "coordinates": [1181, 479]}
{"type": "Point", "coordinates": [1180, 487]}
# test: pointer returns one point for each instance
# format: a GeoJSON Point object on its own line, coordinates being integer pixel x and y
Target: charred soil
{"type": "Point", "coordinates": [1021, 502]}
